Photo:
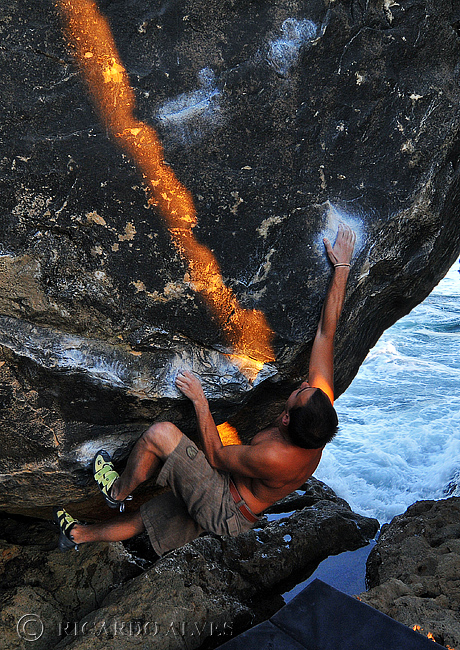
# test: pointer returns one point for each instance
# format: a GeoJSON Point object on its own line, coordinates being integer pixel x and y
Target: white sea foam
{"type": "Point", "coordinates": [400, 419]}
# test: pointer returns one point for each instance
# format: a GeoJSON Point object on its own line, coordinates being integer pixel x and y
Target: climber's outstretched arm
{"type": "Point", "coordinates": [321, 368]}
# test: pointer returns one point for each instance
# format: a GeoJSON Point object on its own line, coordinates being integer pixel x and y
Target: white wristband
{"type": "Point", "coordinates": [341, 264]}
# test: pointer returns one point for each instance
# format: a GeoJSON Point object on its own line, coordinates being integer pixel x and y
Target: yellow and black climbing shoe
{"type": "Point", "coordinates": [105, 476]}
{"type": "Point", "coordinates": [65, 522]}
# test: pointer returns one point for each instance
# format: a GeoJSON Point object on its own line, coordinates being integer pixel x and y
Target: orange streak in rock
{"type": "Point", "coordinates": [247, 331]}
{"type": "Point", "coordinates": [228, 434]}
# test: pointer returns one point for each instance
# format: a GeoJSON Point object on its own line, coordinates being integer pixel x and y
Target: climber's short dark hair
{"type": "Point", "coordinates": [315, 424]}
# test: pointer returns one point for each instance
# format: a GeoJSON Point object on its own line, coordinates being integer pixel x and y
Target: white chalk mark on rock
{"type": "Point", "coordinates": [335, 215]}
{"type": "Point", "coordinates": [190, 116]}
{"type": "Point", "coordinates": [284, 52]}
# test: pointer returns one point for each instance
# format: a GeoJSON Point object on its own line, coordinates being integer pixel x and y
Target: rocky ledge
{"type": "Point", "coordinates": [200, 593]}
{"type": "Point", "coordinates": [414, 570]}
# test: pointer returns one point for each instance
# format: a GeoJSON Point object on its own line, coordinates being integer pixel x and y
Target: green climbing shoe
{"type": "Point", "coordinates": [65, 522]}
{"type": "Point", "coordinates": [105, 476]}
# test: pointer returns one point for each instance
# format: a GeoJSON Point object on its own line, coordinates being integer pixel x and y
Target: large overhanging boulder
{"type": "Point", "coordinates": [280, 120]}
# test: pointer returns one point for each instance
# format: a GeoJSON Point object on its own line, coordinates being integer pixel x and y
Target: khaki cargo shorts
{"type": "Point", "coordinates": [200, 501]}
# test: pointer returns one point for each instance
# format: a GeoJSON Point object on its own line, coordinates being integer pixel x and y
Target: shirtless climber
{"type": "Point", "coordinates": [224, 489]}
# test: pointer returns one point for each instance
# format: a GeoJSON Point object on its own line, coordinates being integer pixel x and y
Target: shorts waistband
{"type": "Point", "coordinates": [240, 503]}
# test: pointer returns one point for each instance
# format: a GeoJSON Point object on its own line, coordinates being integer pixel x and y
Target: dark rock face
{"type": "Point", "coordinates": [280, 120]}
{"type": "Point", "coordinates": [198, 593]}
{"type": "Point", "coordinates": [413, 571]}
{"type": "Point", "coordinates": [37, 579]}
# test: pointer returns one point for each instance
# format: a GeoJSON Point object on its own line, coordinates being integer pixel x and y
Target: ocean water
{"type": "Point", "coordinates": [399, 438]}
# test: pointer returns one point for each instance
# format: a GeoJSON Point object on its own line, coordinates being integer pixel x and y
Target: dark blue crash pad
{"type": "Point", "coordinates": [323, 618]}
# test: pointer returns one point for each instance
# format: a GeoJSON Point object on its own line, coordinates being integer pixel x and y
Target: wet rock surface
{"type": "Point", "coordinates": [414, 570]}
{"type": "Point", "coordinates": [198, 594]}
{"type": "Point", "coordinates": [280, 119]}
